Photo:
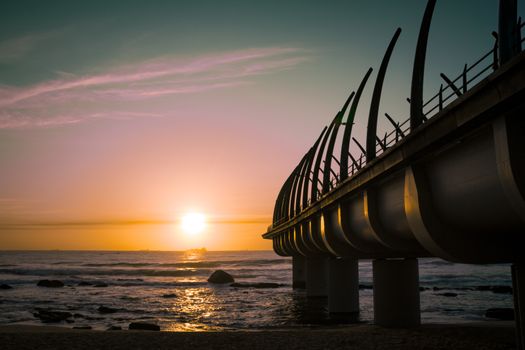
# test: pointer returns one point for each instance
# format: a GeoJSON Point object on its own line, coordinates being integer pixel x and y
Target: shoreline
{"type": "Point", "coordinates": [496, 335]}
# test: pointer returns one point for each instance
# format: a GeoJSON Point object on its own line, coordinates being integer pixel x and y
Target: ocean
{"type": "Point", "coordinates": [170, 289]}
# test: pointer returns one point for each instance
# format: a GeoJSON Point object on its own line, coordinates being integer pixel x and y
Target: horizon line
{"type": "Point", "coordinates": [128, 250]}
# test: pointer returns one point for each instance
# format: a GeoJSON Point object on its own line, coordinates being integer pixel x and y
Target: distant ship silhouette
{"type": "Point", "coordinates": [197, 250]}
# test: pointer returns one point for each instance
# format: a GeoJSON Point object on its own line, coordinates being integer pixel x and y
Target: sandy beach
{"type": "Point", "coordinates": [362, 337]}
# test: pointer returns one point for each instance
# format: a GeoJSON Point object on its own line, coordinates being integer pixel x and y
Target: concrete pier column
{"type": "Point", "coordinates": [298, 272]}
{"type": "Point", "coordinates": [518, 291]}
{"type": "Point", "coordinates": [396, 292]}
{"type": "Point", "coordinates": [316, 277]}
{"type": "Point", "coordinates": [343, 286]}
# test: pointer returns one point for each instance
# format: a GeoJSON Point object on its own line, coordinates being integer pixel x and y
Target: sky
{"type": "Point", "coordinates": [117, 118]}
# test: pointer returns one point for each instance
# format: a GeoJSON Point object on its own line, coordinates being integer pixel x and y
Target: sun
{"type": "Point", "coordinates": [193, 223]}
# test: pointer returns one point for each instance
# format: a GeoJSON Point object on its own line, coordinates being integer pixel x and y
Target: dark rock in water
{"type": "Point", "coordinates": [364, 286]}
{"type": "Point", "coordinates": [83, 327]}
{"type": "Point", "coordinates": [436, 288]}
{"type": "Point", "coordinates": [170, 295]}
{"type": "Point", "coordinates": [449, 294]}
{"type": "Point", "coordinates": [483, 288]}
{"type": "Point", "coordinates": [114, 328]}
{"type": "Point", "coordinates": [502, 289]}
{"type": "Point", "coordinates": [422, 289]}
{"type": "Point", "coordinates": [84, 284]}
{"type": "Point", "coordinates": [90, 318]}
{"type": "Point", "coordinates": [50, 316]}
{"type": "Point", "coordinates": [130, 280]}
{"type": "Point", "coordinates": [50, 283]}
{"type": "Point", "coordinates": [5, 286]}
{"type": "Point", "coordinates": [143, 326]}
{"type": "Point", "coordinates": [220, 277]}
{"type": "Point", "coordinates": [505, 314]}
{"type": "Point", "coordinates": [78, 316]}
{"type": "Point", "coordinates": [101, 285]}
{"type": "Point", "coordinates": [107, 310]}
{"type": "Point", "coordinates": [495, 289]}
{"type": "Point", "coordinates": [255, 285]}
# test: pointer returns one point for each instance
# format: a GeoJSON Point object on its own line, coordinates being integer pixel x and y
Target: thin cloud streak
{"type": "Point", "coordinates": [23, 106]}
{"type": "Point", "coordinates": [13, 49]}
{"type": "Point", "coordinates": [9, 224]}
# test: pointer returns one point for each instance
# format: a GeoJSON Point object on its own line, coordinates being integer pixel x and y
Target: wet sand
{"type": "Point", "coordinates": [362, 337]}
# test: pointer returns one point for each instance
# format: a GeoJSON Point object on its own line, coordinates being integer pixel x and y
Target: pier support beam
{"type": "Point", "coordinates": [316, 277]}
{"type": "Point", "coordinates": [518, 290]}
{"type": "Point", "coordinates": [343, 287]}
{"type": "Point", "coordinates": [298, 272]}
{"type": "Point", "coordinates": [396, 292]}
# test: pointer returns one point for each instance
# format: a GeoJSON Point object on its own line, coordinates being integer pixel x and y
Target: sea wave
{"type": "Point", "coordinates": [187, 272]}
{"type": "Point", "coordinates": [105, 272]}
{"type": "Point", "coordinates": [192, 264]}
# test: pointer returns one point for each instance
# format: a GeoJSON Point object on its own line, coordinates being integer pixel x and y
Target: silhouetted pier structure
{"type": "Point", "coordinates": [448, 182]}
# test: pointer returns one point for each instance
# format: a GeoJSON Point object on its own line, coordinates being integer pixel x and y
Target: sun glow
{"type": "Point", "coordinates": [193, 223]}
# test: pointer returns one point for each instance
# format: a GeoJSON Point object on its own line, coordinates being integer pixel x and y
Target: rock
{"type": "Point", "coordinates": [502, 289]}
{"type": "Point", "coordinates": [50, 283]}
{"type": "Point", "coordinates": [5, 286]}
{"type": "Point", "coordinates": [143, 326]}
{"type": "Point", "coordinates": [255, 285]}
{"type": "Point", "coordinates": [107, 310]}
{"type": "Point", "coordinates": [91, 318]}
{"type": "Point", "coordinates": [170, 295]}
{"type": "Point", "coordinates": [422, 289]}
{"type": "Point", "coordinates": [483, 288]}
{"type": "Point", "coordinates": [50, 316]}
{"type": "Point", "coordinates": [505, 314]}
{"type": "Point", "coordinates": [448, 294]}
{"type": "Point", "coordinates": [83, 327]}
{"type": "Point", "coordinates": [220, 277]}
{"type": "Point", "coordinates": [130, 280]}
{"type": "Point", "coordinates": [114, 328]}
{"type": "Point", "coordinates": [101, 285]}
{"type": "Point", "coordinates": [84, 284]}
{"type": "Point", "coordinates": [364, 286]}
{"type": "Point", "coordinates": [495, 289]}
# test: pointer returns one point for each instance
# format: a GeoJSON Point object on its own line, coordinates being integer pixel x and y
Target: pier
{"type": "Point", "coordinates": [447, 182]}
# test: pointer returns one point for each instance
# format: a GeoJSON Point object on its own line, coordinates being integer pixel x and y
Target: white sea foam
{"type": "Point", "coordinates": [137, 283]}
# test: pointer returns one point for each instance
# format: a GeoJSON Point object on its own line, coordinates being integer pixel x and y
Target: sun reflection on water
{"type": "Point", "coordinates": [193, 308]}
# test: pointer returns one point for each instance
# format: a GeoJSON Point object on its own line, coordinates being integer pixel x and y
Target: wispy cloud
{"type": "Point", "coordinates": [15, 205]}
{"type": "Point", "coordinates": [71, 98]}
{"type": "Point", "coordinates": [32, 224]}
{"type": "Point", "coordinates": [15, 48]}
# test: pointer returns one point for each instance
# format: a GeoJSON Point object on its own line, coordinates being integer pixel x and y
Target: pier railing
{"type": "Point", "coordinates": [452, 89]}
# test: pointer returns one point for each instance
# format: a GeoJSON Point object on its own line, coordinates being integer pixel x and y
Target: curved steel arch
{"type": "Point", "coordinates": [345, 144]}
{"type": "Point", "coordinates": [317, 165]}
{"type": "Point", "coordinates": [331, 144]}
{"type": "Point", "coordinates": [283, 198]}
{"type": "Point", "coordinates": [286, 199]}
{"type": "Point", "coordinates": [297, 171]}
{"type": "Point", "coordinates": [371, 131]}
{"type": "Point", "coordinates": [276, 210]}
{"type": "Point", "coordinates": [282, 211]}
{"type": "Point", "coordinates": [309, 167]}
{"type": "Point", "coordinates": [418, 71]}
{"type": "Point", "coordinates": [304, 173]}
